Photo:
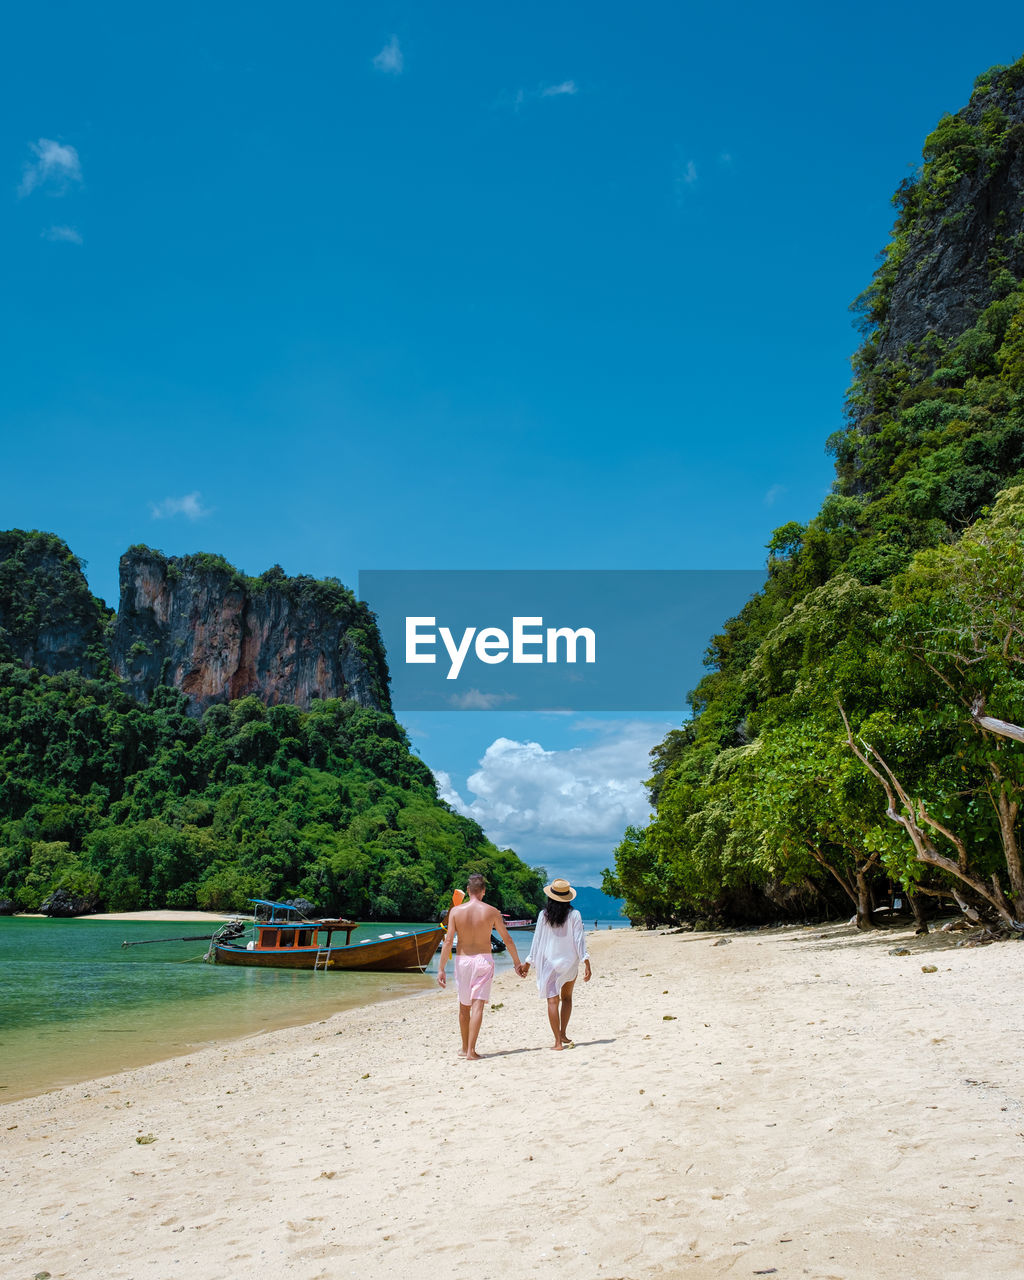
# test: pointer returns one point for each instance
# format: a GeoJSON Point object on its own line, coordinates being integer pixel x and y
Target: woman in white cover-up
{"type": "Point", "coordinates": [559, 944]}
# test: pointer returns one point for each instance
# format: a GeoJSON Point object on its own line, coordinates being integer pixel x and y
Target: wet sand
{"type": "Point", "coordinates": [797, 1102]}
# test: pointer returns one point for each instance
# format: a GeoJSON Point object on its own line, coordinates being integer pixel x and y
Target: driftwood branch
{"type": "Point", "coordinates": [966, 908]}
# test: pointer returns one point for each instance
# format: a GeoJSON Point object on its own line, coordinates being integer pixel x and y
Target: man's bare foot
{"type": "Point", "coordinates": [462, 1053]}
{"type": "Point", "coordinates": [556, 1046]}
{"type": "Point", "coordinates": [473, 1057]}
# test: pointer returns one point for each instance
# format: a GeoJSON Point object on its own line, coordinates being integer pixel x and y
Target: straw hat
{"type": "Point", "coordinates": [560, 891]}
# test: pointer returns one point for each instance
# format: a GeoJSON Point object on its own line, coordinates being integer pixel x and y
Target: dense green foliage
{"type": "Point", "coordinates": [143, 807]}
{"type": "Point", "coordinates": [898, 606]}
{"type": "Point", "coordinates": [43, 593]}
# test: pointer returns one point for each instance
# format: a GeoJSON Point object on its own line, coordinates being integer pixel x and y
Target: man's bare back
{"type": "Point", "coordinates": [473, 922]}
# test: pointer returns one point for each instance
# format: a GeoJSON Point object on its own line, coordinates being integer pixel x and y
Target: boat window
{"type": "Point", "coordinates": [305, 938]}
{"type": "Point", "coordinates": [268, 938]}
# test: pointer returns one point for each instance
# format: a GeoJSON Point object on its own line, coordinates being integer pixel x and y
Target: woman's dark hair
{"type": "Point", "coordinates": [557, 912]}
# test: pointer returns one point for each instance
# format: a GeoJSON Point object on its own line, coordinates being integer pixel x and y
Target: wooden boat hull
{"type": "Point", "coordinates": [381, 955]}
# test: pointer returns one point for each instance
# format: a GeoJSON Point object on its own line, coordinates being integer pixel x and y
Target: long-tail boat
{"type": "Point", "coordinates": [284, 939]}
{"type": "Point", "coordinates": [517, 924]}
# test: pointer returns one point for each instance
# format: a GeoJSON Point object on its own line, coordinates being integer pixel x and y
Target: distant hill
{"type": "Point", "coordinates": [220, 738]}
{"type": "Point", "coordinates": [592, 904]}
{"type": "Point", "coordinates": [192, 623]}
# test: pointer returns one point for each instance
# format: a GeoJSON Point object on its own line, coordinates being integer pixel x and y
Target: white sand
{"type": "Point", "coordinates": [817, 1107]}
{"type": "Point", "coordinates": [199, 916]}
{"type": "Point", "coordinates": [165, 914]}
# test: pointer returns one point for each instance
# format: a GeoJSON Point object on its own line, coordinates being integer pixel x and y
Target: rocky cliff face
{"type": "Point", "coordinates": [194, 623]}
{"type": "Point", "coordinates": [198, 625]}
{"type": "Point", "coordinates": [958, 243]}
{"type": "Point", "coordinates": [49, 618]}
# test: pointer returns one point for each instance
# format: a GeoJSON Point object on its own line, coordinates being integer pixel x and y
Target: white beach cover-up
{"type": "Point", "coordinates": [557, 951]}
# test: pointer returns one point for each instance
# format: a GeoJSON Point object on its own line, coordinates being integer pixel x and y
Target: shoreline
{"type": "Point", "coordinates": [165, 915]}
{"type": "Point", "coordinates": [799, 1099]}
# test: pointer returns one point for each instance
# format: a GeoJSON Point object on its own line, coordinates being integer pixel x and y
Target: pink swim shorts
{"type": "Point", "coordinates": [473, 977]}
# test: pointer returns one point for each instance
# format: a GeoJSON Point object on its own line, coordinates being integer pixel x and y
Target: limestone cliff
{"type": "Point", "coordinates": [958, 243]}
{"type": "Point", "coordinates": [197, 624]}
{"type": "Point", "coordinates": [49, 618]}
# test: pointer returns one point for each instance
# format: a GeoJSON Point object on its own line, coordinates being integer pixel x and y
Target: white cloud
{"type": "Point", "coordinates": [557, 90]}
{"type": "Point", "coordinates": [390, 59]}
{"type": "Point", "coordinates": [446, 790]}
{"type": "Point", "coordinates": [523, 793]}
{"type": "Point", "coordinates": [63, 235]}
{"type": "Point", "coordinates": [517, 100]}
{"type": "Point", "coordinates": [55, 167]}
{"type": "Point", "coordinates": [190, 506]}
{"type": "Point", "coordinates": [773, 494]}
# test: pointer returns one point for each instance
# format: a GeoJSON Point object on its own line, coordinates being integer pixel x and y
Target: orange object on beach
{"type": "Point", "coordinates": [458, 898]}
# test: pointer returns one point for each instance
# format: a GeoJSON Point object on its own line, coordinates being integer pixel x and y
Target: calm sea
{"type": "Point", "coordinates": [74, 1004]}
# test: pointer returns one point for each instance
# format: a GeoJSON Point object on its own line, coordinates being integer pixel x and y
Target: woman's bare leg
{"type": "Point", "coordinates": [553, 1018]}
{"type": "Point", "coordinates": [566, 1013]}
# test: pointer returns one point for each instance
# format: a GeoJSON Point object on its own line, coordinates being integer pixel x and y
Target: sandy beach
{"type": "Point", "coordinates": [198, 917]}
{"type": "Point", "coordinates": [797, 1102]}
{"type": "Point", "coordinates": [166, 916]}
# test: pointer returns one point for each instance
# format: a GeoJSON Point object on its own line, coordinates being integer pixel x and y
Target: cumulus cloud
{"type": "Point", "coordinates": [446, 790]}
{"type": "Point", "coordinates": [390, 59]}
{"type": "Point", "coordinates": [524, 793]}
{"type": "Point", "coordinates": [190, 506]}
{"type": "Point", "coordinates": [55, 167]}
{"type": "Point", "coordinates": [63, 235]}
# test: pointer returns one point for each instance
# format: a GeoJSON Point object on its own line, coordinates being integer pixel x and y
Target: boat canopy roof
{"type": "Point", "coordinates": [291, 917]}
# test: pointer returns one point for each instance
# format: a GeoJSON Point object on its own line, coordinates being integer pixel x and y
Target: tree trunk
{"type": "Point", "coordinates": [918, 910]}
{"type": "Point", "coordinates": [1008, 810]}
{"type": "Point", "coordinates": [864, 907]}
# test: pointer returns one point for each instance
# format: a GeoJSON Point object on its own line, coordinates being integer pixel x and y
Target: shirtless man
{"type": "Point", "coordinates": [472, 922]}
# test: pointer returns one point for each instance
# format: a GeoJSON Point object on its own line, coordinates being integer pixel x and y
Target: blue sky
{"type": "Point", "coordinates": [452, 286]}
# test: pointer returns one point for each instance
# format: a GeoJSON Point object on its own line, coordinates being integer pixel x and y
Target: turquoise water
{"type": "Point", "coordinates": [75, 1005]}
